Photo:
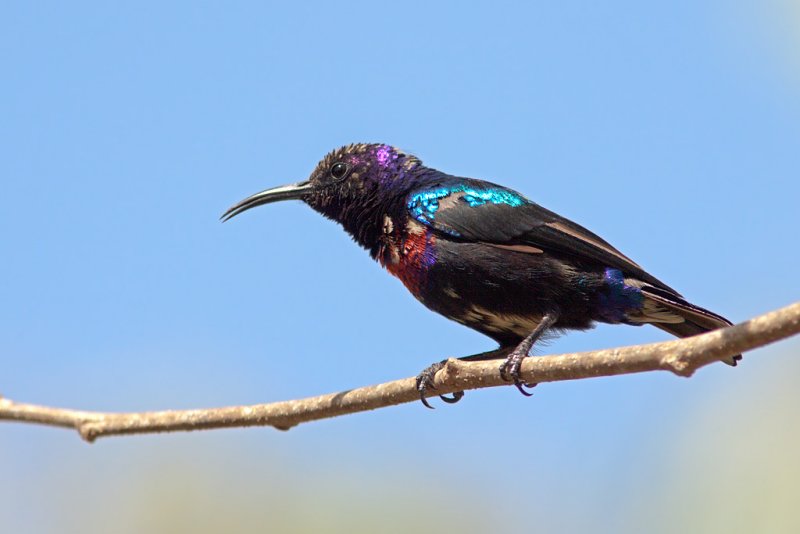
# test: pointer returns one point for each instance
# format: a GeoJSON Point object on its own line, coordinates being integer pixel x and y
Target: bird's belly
{"type": "Point", "coordinates": [498, 325]}
{"type": "Point", "coordinates": [467, 304]}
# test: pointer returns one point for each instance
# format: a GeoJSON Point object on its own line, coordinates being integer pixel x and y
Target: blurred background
{"type": "Point", "coordinates": [671, 129]}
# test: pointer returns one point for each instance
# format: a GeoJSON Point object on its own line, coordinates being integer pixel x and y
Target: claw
{"type": "Point", "coordinates": [521, 387]}
{"type": "Point", "coordinates": [425, 401]}
{"type": "Point", "coordinates": [457, 396]}
{"type": "Point", "coordinates": [425, 383]}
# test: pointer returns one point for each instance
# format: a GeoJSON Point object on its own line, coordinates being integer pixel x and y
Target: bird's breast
{"type": "Point", "coordinates": [408, 252]}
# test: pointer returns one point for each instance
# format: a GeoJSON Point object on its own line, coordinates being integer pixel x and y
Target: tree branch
{"type": "Point", "coordinates": [682, 357]}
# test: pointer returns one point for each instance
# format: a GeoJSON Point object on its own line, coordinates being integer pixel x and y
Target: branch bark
{"type": "Point", "coordinates": [681, 357]}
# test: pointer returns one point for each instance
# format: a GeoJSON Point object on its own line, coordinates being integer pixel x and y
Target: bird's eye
{"type": "Point", "coordinates": [339, 170]}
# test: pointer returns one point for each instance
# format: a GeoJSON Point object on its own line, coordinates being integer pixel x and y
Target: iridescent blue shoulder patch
{"type": "Point", "coordinates": [424, 204]}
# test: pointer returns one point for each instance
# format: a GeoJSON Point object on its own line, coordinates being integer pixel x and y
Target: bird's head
{"type": "Point", "coordinates": [349, 185]}
{"type": "Point", "coordinates": [350, 174]}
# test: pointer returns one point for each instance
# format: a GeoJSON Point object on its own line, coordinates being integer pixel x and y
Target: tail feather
{"type": "Point", "coordinates": [696, 320]}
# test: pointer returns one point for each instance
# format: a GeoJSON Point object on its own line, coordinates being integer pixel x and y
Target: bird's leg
{"type": "Point", "coordinates": [425, 378]}
{"type": "Point", "coordinates": [510, 368]}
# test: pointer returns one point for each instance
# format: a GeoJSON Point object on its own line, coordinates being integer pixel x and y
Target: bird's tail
{"type": "Point", "coordinates": [680, 318]}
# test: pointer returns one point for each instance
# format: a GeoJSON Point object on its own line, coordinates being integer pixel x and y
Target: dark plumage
{"type": "Point", "coordinates": [484, 255]}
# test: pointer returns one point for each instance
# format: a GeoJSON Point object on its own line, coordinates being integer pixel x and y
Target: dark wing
{"type": "Point", "coordinates": [477, 211]}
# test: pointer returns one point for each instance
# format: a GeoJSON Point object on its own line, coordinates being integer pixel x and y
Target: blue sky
{"type": "Point", "coordinates": [672, 130]}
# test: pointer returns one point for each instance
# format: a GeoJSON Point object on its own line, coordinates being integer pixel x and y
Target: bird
{"type": "Point", "coordinates": [484, 255]}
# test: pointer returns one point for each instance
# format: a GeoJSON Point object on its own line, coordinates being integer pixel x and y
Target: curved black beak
{"type": "Point", "coordinates": [285, 192]}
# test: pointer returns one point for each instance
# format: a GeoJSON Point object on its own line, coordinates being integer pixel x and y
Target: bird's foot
{"type": "Point", "coordinates": [511, 369]}
{"type": "Point", "coordinates": [425, 383]}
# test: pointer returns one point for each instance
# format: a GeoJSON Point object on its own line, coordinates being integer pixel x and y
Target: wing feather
{"type": "Point", "coordinates": [477, 211]}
